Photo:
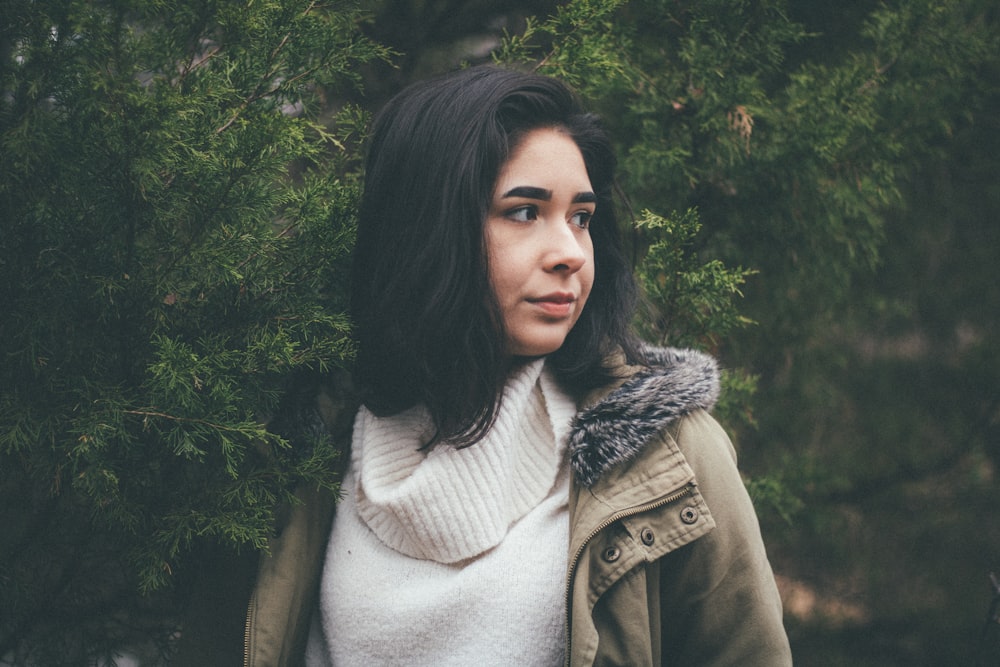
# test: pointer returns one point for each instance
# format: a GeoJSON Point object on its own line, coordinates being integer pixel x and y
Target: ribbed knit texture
{"type": "Point", "coordinates": [452, 557]}
{"type": "Point", "coordinates": [450, 504]}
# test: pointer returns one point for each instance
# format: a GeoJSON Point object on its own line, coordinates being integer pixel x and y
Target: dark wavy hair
{"type": "Point", "coordinates": [428, 325]}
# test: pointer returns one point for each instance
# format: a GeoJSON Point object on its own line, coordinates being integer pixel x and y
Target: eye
{"type": "Point", "coordinates": [582, 219]}
{"type": "Point", "coordinates": [522, 214]}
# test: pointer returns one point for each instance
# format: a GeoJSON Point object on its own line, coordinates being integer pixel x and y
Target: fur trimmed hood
{"type": "Point", "coordinates": [667, 384]}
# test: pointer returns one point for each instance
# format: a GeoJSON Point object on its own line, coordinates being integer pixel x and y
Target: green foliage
{"type": "Point", "coordinates": [791, 165]}
{"type": "Point", "coordinates": [176, 223]}
{"type": "Point", "coordinates": [689, 303]}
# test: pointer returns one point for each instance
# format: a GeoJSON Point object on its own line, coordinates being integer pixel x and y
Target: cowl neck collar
{"type": "Point", "coordinates": [448, 504]}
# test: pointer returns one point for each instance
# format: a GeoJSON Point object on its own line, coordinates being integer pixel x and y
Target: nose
{"type": "Point", "coordinates": [565, 252]}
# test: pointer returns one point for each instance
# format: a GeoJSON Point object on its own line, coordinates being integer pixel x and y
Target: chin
{"type": "Point", "coordinates": [538, 348]}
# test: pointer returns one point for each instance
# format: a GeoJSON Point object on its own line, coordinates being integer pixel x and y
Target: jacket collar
{"type": "Point", "coordinates": [667, 383]}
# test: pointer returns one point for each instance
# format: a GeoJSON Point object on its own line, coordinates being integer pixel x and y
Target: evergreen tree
{"type": "Point", "coordinates": [176, 218]}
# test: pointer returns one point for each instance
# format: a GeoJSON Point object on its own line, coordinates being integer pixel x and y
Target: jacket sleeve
{"type": "Point", "coordinates": [720, 604]}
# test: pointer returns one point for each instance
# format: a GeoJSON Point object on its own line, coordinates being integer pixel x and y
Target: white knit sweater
{"type": "Point", "coordinates": [452, 556]}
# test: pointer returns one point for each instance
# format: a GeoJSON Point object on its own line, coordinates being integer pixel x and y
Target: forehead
{"type": "Point", "coordinates": [545, 156]}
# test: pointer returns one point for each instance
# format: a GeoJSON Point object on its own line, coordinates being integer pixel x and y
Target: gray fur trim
{"type": "Point", "coordinates": [673, 383]}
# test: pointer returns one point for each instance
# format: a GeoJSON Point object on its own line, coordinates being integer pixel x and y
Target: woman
{"type": "Point", "coordinates": [526, 485]}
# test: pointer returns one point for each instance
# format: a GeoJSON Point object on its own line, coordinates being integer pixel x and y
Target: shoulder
{"type": "Point", "coordinates": [708, 450]}
{"type": "Point", "coordinates": [703, 441]}
{"type": "Point", "coordinates": [617, 423]}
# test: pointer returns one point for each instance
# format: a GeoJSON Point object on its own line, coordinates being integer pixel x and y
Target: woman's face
{"type": "Point", "coordinates": [541, 257]}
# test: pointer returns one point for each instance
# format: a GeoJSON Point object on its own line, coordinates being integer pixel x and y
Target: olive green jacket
{"type": "Point", "coordinates": [666, 561]}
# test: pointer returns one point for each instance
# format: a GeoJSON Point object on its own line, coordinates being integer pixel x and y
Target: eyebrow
{"type": "Point", "coordinates": [529, 192]}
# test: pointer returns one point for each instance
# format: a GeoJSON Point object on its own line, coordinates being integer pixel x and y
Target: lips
{"type": "Point", "coordinates": [555, 297]}
{"type": "Point", "coordinates": [557, 304]}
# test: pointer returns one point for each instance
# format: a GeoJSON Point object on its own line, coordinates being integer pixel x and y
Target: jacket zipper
{"type": "Point", "coordinates": [624, 514]}
{"type": "Point", "coordinates": [246, 629]}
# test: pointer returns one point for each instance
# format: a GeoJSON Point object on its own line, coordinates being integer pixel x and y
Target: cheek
{"type": "Point", "coordinates": [496, 274]}
{"type": "Point", "coordinates": [586, 288]}
{"type": "Point", "coordinates": [494, 265]}
{"type": "Point", "coordinates": [506, 270]}
{"type": "Point", "coordinates": [587, 273]}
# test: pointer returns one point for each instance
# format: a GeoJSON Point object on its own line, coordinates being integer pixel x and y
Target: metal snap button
{"type": "Point", "coordinates": [689, 514]}
{"type": "Point", "coordinates": [611, 554]}
{"type": "Point", "coordinates": [647, 536]}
